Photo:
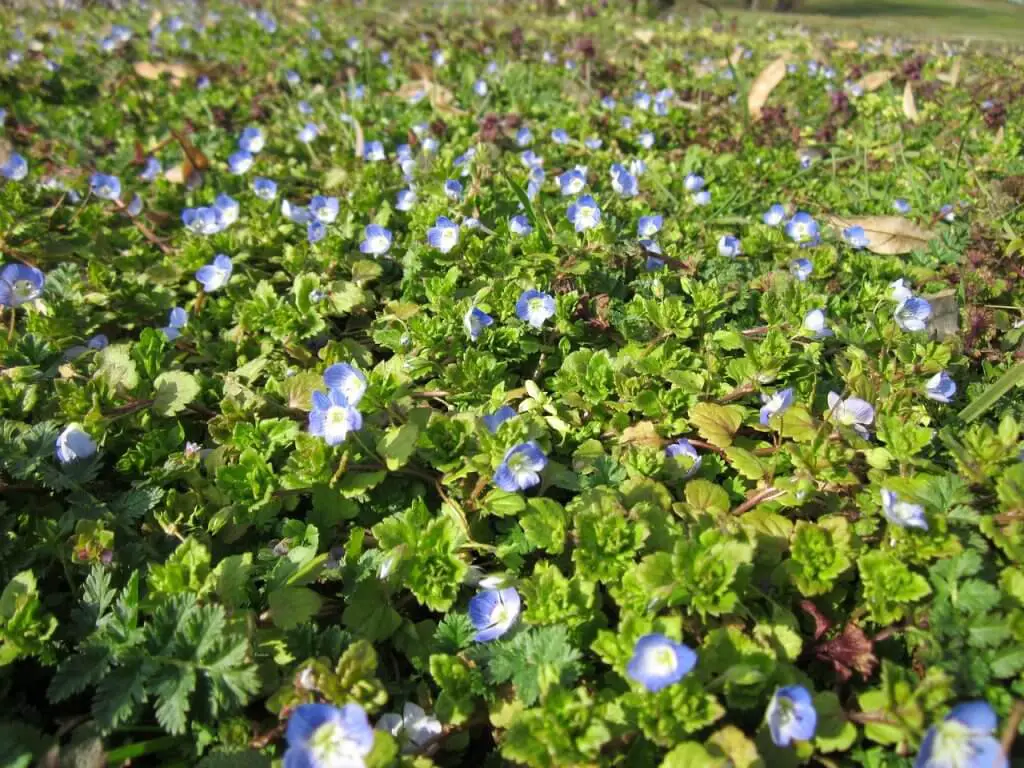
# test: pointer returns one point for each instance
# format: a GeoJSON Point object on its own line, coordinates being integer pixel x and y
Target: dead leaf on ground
{"type": "Point", "coordinates": [440, 97]}
{"type": "Point", "coordinates": [875, 80]}
{"type": "Point", "coordinates": [849, 651]}
{"type": "Point", "coordinates": [909, 105]}
{"type": "Point", "coordinates": [641, 434]}
{"type": "Point", "coordinates": [764, 84]}
{"type": "Point", "coordinates": [644, 35]}
{"type": "Point", "coordinates": [887, 235]}
{"type": "Point", "coordinates": [848, 45]}
{"type": "Point", "coordinates": [953, 76]}
{"type": "Point", "coordinates": [149, 70]}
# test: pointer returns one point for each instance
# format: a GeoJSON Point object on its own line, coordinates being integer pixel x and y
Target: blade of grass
{"type": "Point", "coordinates": [988, 398]}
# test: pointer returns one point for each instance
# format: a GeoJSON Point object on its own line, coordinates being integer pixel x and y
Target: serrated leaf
{"type": "Point", "coordinates": [292, 606]}
{"type": "Point", "coordinates": [117, 369]}
{"type": "Point", "coordinates": [887, 235]}
{"type": "Point", "coordinates": [746, 463]}
{"type": "Point", "coordinates": [717, 423]}
{"type": "Point", "coordinates": [173, 391]}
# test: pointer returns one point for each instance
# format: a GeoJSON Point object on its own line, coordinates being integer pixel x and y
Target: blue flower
{"type": "Point", "coordinates": [20, 284]}
{"type": "Point", "coordinates": [333, 416]}
{"type": "Point", "coordinates": [729, 246]}
{"type": "Point", "coordinates": [439, 58]}
{"type": "Point", "coordinates": [444, 235]}
{"type": "Point", "coordinates": [560, 136]}
{"type": "Point", "coordinates": [584, 213]}
{"type": "Point", "coordinates": [791, 715]}
{"type": "Point", "coordinates": [593, 143]}
{"type": "Point", "coordinates": [523, 137]}
{"type": "Point", "coordinates": [316, 231]}
{"type": "Point", "coordinates": [474, 321]}
{"type": "Point", "coordinates": [608, 102]}
{"type": "Point", "coordinates": [480, 88]}
{"type": "Point", "coordinates": [802, 229]}
{"type": "Point", "coordinates": [940, 387]}
{"type": "Point", "coordinates": [529, 158]}
{"type": "Point", "coordinates": [151, 170]}
{"type": "Point", "coordinates": [902, 513]}
{"type": "Point", "coordinates": [203, 82]}
{"type": "Point", "coordinates": [965, 738]}
{"type": "Point", "coordinates": [801, 269]}
{"type": "Point", "coordinates": [177, 320]}
{"type": "Point", "coordinates": [572, 182]}
{"type": "Point", "coordinates": [626, 122]}
{"type": "Point", "coordinates": [851, 412]}
{"type": "Point", "coordinates": [623, 182]}
{"type": "Point", "coordinates": [641, 101]}
{"type": "Point", "coordinates": [374, 152]}
{"type": "Point", "coordinates": [814, 321]}
{"type": "Point", "coordinates": [405, 199]}
{"type": "Point", "coordinates": [637, 167]}
{"type": "Point", "coordinates": [324, 209]}
{"type": "Point", "coordinates": [251, 140]}
{"type": "Point", "coordinates": [693, 183]}
{"type": "Point", "coordinates": [324, 736]}
{"type": "Point", "coordinates": [947, 213]}
{"type": "Point", "coordinates": [646, 139]}
{"type": "Point", "coordinates": [775, 404]}
{"type": "Point", "coordinates": [264, 189]}
{"type": "Point", "coordinates": [648, 226]}
{"type": "Point", "coordinates": [308, 133]}
{"type": "Point", "coordinates": [134, 208]}
{"type": "Point", "coordinates": [856, 237]}
{"type": "Point", "coordinates": [520, 468]}
{"type": "Point", "coordinates": [378, 240]}
{"type": "Point", "coordinates": [499, 417]}
{"type": "Point", "coordinates": [453, 189]}
{"type": "Point", "coordinates": [99, 341]}
{"type": "Point", "coordinates": [520, 225]}
{"type": "Point", "coordinates": [901, 206]}
{"type": "Point", "coordinates": [702, 198]}
{"type": "Point", "coordinates": [912, 314]}
{"type": "Point", "coordinates": [240, 162]}
{"type": "Point", "coordinates": [493, 612]}
{"type": "Point", "coordinates": [900, 292]}
{"type": "Point", "coordinates": [202, 221]}
{"type": "Point", "coordinates": [685, 455]}
{"type": "Point", "coordinates": [659, 662]}
{"type": "Point", "coordinates": [15, 169]}
{"type": "Point", "coordinates": [105, 187]}
{"type": "Point", "coordinates": [216, 275]}
{"type": "Point", "coordinates": [227, 208]}
{"type": "Point", "coordinates": [73, 444]}
{"type": "Point", "coordinates": [534, 307]}
{"type": "Point", "coordinates": [348, 380]}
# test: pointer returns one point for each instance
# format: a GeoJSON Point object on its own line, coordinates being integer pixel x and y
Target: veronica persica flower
{"type": "Point", "coordinates": [20, 284]}
{"type": "Point", "coordinates": [474, 321]}
{"type": "Point", "coordinates": [73, 444]}
{"type": "Point", "coordinates": [202, 221]}
{"type": "Point", "coordinates": [947, 213]}
{"type": "Point", "coordinates": [374, 152]}
{"type": "Point", "coordinates": [684, 453]}
{"type": "Point", "coordinates": [801, 269]}
{"type": "Point", "coordinates": [856, 237]}
{"type": "Point", "coordinates": [15, 169]}
{"type": "Point", "coordinates": [523, 137]}
{"type": "Point", "coordinates": [902, 513]}
{"type": "Point", "coordinates": [151, 169]}
{"type": "Point", "coordinates": [377, 240]}
{"type": "Point", "coordinates": [405, 200]}
{"type": "Point", "coordinates": [702, 198]}
{"type": "Point", "coordinates": [608, 103]}
{"type": "Point", "coordinates": [775, 404]}
{"type": "Point", "coordinates": [658, 662]}
{"type": "Point", "coordinates": [333, 416]}
{"type": "Point", "coordinates": [646, 139]}
{"type": "Point", "coordinates": [444, 235]}
{"type": "Point", "coordinates": [529, 158]}
{"type": "Point", "coordinates": [912, 314]}
{"type": "Point", "coordinates": [901, 206]}
{"type": "Point", "coordinates": [499, 417]}
{"type": "Point", "coordinates": [308, 133]}
{"type": "Point", "coordinates": [816, 324]}
{"type": "Point", "coordinates": [572, 182]}
{"type": "Point", "coordinates": [264, 189]}
{"type": "Point", "coordinates": [791, 715]}
{"type": "Point", "coordinates": [593, 143]}
{"type": "Point", "coordinates": [228, 209]}
{"type": "Point", "coordinates": [648, 226]}
{"type": "Point", "coordinates": [520, 225]}
{"type": "Point", "coordinates": [215, 275]}
{"type": "Point", "coordinates": [348, 380]}
{"type": "Point", "coordinates": [623, 182]}
{"type": "Point", "coordinates": [298, 214]}
{"type": "Point", "coordinates": [134, 208]}
{"type": "Point", "coordinates": [802, 229]}
{"type": "Point", "coordinates": [584, 213]}
{"type": "Point", "coordinates": [693, 183]}
{"type": "Point", "coordinates": [324, 736]}
{"type": "Point", "coordinates": [774, 215]}
{"type": "Point", "coordinates": [899, 291]}
{"type": "Point", "coordinates": [559, 136]}
{"type": "Point", "coordinates": [965, 739]}
{"type": "Point", "coordinates": [851, 412]}
{"type": "Point", "coordinates": [105, 187]}
{"type": "Point", "coordinates": [316, 231]}
{"type": "Point", "coordinates": [729, 246]}
{"type": "Point", "coordinates": [480, 88]}
{"type": "Point", "coordinates": [534, 307]}
{"type": "Point", "coordinates": [493, 612]}
{"type": "Point", "coordinates": [520, 468]}
{"type": "Point", "coordinates": [414, 728]}
{"type": "Point", "coordinates": [325, 209]}
{"type": "Point", "coordinates": [177, 320]}
{"type": "Point", "coordinates": [453, 189]}
{"type": "Point", "coordinates": [941, 388]}
{"type": "Point", "coordinates": [240, 162]}
{"type": "Point", "coordinates": [251, 140]}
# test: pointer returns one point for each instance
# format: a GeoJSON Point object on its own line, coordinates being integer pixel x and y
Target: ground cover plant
{"type": "Point", "coordinates": [427, 385]}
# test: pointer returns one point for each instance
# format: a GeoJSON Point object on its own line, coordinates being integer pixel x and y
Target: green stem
{"type": "Point", "coordinates": [141, 748]}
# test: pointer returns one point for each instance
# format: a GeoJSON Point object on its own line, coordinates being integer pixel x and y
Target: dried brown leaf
{"type": "Point", "coordinates": [644, 35]}
{"type": "Point", "coordinates": [887, 235]}
{"type": "Point", "coordinates": [848, 45]}
{"type": "Point", "coordinates": [909, 105]}
{"type": "Point", "coordinates": [149, 70]}
{"type": "Point", "coordinates": [953, 76]}
{"type": "Point", "coordinates": [875, 80]}
{"type": "Point", "coordinates": [642, 434]}
{"type": "Point", "coordinates": [764, 84]}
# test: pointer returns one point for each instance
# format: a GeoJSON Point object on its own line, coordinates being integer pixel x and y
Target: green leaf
{"type": "Point", "coordinates": [819, 556]}
{"type": "Point", "coordinates": [717, 423]}
{"type": "Point", "coordinates": [368, 613]}
{"type": "Point", "coordinates": [292, 606]}
{"type": "Point", "coordinates": [978, 405]}
{"type": "Point", "coordinates": [173, 391]}
{"type": "Point", "coordinates": [397, 445]}
{"type": "Point", "coordinates": [706, 497]}
{"type": "Point", "coordinates": [889, 586]}
{"type": "Point", "coordinates": [534, 662]}
{"type": "Point", "coordinates": [545, 525]}
{"type": "Point", "coordinates": [117, 369]}
{"type": "Point", "coordinates": [746, 463]}
{"type": "Point", "coordinates": [461, 686]}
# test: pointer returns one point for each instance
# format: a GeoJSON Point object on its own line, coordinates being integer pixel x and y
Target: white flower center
{"type": "Point", "coordinates": [330, 747]}
{"type": "Point", "coordinates": [337, 416]}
